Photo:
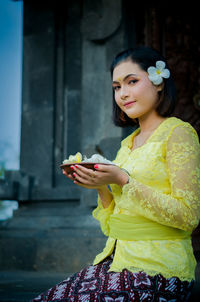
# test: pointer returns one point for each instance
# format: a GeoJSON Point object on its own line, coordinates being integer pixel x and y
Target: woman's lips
{"type": "Point", "coordinates": [129, 104]}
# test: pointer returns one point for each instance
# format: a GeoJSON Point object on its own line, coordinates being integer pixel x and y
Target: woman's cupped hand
{"type": "Point", "coordinates": [95, 179]}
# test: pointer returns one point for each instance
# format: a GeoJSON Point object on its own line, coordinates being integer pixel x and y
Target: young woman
{"type": "Point", "coordinates": [154, 202]}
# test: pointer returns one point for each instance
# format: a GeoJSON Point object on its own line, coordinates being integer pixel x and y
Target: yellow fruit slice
{"type": "Point", "coordinates": [73, 159]}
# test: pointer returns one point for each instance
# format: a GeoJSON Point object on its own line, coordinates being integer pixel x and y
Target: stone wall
{"type": "Point", "coordinates": [67, 97]}
{"type": "Point", "coordinates": [67, 107]}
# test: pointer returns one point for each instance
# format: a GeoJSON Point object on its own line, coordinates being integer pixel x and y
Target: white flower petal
{"type": "Point", "coordinates": [156, 79]}
{"type": "Point", "coordinates": [165, 73]}
{"type": "Point", "coordinates": [151, 77]}
{"type": "Point", "coordinates": [160, 65]}
{"type": "Point", "coordinates": [156, 74]}
{"type": "Point", "coordinates": [151, 70]}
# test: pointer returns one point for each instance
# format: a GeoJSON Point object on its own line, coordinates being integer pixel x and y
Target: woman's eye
{"type": "Point", "coordinates": [133, 81]}
{"type": "Point", "coordinates": [115, 88]}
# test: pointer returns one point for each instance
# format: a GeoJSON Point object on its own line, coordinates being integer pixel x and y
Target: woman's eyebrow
{"type": "Point", "coordinates": [127, 76]}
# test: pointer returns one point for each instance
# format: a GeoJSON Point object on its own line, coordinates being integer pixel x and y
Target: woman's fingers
{"type": "Point", "coordinates": [86, 176]}
{"type": "Point", "coordinates": [81, 175]}
{"type": "Point", "coordinates": [89, 176]}
{"type": "Point", "coordinates": [79, 179]}
{"type": "Point", "coordinates": [84, 172]}
{"type": "Point", "coordinates": [89, 180]}
{"type": "Point", "coordinates": [68, 175]}
{"type": "Point", "coordinates": [103, 168]}
{"type": "Point", "coordinates": [102, 175]}
{"type": "Point", "coordinates": [65, 173]}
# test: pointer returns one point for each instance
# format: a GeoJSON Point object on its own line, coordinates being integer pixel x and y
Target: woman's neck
{"type": "Point", "coordinates": [147, 125]}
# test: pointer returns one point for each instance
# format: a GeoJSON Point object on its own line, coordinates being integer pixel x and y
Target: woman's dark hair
{"type": "Point", "coordinates": [145, 57]}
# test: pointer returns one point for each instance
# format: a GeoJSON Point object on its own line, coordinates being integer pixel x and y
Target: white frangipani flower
{"type": "Point", "coordinates": [156, 74]}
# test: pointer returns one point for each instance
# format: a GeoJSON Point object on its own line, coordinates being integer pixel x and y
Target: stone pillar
{"type": "Point", "coordinates": [103, 37]}
{"type": "Point", "coordinates": [51, 114]}
{"type": "Point", "coordinates": [67, 94]}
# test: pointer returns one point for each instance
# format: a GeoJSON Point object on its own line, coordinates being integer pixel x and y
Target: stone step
{"type": "Point", "coordinates": [61, 208]}
{"type": "Point", "coordinates": [58, 249]}
{"type": "Point", "coordinates": [21, 286]}
{"type": "Point", "coordinates": [49, 242]}
{"type": "Point", "coordinates": [51, 222]}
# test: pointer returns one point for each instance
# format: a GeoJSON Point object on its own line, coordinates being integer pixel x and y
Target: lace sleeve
{"type": "Point", "coordinates": [180, 208]}
{"type": "Point", "coordinates": [103, 214]}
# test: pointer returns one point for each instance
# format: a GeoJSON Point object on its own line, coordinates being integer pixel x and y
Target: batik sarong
{"type": "Point", "coordinates": [95, 283]}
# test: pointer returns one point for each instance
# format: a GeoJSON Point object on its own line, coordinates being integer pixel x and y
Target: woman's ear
{"type": "Point", "coordinates": [160, 87]}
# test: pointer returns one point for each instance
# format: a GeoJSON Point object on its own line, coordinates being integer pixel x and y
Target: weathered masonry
{"type": "Point", "coordinates": [67, 107]}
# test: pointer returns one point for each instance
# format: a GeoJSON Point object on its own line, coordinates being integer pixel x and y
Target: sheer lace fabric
{"type": "Point", "coordinates": [164, 187]}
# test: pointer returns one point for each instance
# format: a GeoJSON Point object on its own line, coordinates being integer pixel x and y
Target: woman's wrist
{"type": "Point", "coordinates": [124, 179]}
{"type": "Point", "coordinates": [105, 195]}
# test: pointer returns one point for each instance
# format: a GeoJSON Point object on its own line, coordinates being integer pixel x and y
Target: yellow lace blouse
{"type": "Point", "coordinates": [164, 189]}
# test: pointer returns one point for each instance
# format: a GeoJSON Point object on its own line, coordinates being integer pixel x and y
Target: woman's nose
{"type": "Point", "coordinates": [124, 92]}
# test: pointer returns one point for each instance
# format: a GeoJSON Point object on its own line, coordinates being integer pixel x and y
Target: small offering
{"type": "Point", "coordinates": [86, 162]}
{"type": "Point", "coordinates": [73, 159]}
{"type": "Point", "coordinates": [97, 158]}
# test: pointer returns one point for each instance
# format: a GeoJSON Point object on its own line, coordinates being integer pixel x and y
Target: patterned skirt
{"type": "Point", "coordinates": [95, 283]}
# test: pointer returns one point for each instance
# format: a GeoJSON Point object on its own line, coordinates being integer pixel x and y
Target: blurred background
{"type": "Point", "coordinates": [56, 100]}
{"type": "Point", "coordinates": [11, 36]}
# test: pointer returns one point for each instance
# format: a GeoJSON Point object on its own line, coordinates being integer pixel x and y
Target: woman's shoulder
{"type": "Point", "coordinates": [169, 126]}
{"type": "Point", "coordinates": [177, 125]}
{"type": "Point", "coordinates": [174, 121]}
{"type": "Point", "coordinates": [162, 130]}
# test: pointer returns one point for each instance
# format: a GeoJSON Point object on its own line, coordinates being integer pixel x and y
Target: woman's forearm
{"type": "Point", "coordinates": [105, 196]}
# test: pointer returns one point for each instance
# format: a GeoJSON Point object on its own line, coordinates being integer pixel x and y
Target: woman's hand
{"type": "Point", "coordinates": [103, 175]}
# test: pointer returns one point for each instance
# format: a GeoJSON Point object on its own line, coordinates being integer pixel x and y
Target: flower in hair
{"type": "Point", "coordinates": [156, 74]}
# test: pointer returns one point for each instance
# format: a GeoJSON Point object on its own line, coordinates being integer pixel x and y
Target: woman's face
{"type": "Point", "coordinates": [134, 93]}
